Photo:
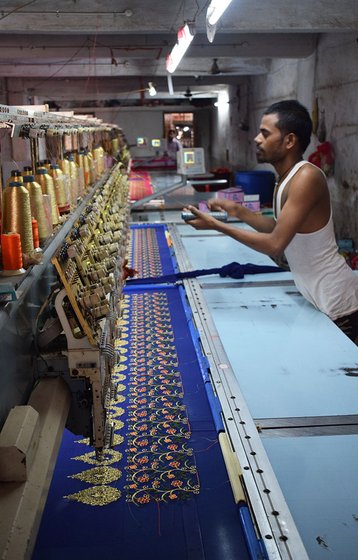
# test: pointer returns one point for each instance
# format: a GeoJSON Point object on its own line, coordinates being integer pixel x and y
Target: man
{"type": "Point", "coordinates": [173, 144]}
{"type": "Point", "coordinates": [302, 227]}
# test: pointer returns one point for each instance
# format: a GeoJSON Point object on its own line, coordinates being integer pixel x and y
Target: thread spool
{"type": "Point", "coordinates": [64, 165]}
{"type": "Point", "coordinates": [47, 209]}
{"type": "Point", "coordinates": [80, 170]}
{"type": "Point", "coordinates": [15, 175]}
{"type": "Point", "coordinates": [44, 163]}
{"type": "Point", "coordinates": [58, 177]}
{"type": "Point", "coordinates": [27, 171]}
{"type": "Point", "coordinates": [17, 214]}
{"type": "Point", "coordinates": [11, 254]}
{"type": "Point", "coordinates": [74, 177]}
{"type": "Point", "coordinates": [47, 186]}
{"type": "Point", "coordinates": [35, 233]}
{"type": "Point", "coordinates": [98, 161]}
{"type": "Point", "coordinates": [38, 207]}
{"type": "Point", "coordinates": [114, 147]}
{"type": "Point", "coordinates": [84, 161]}
{"type": "Point", "coordinates": [91, 169]}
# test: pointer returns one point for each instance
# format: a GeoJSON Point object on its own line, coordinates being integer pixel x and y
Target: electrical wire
{"type": "Point", "coordinates": [17, 9]}
{"type": "Point", "coordinates": [172, 28]}
{"type": "Point", "coordinates": [205, 6]}
{"type": "Point", "coordinates": [61, 67]}
{"type": "Point", "coordinates": [91, 63]}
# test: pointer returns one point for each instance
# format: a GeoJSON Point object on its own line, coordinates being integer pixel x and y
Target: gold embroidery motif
{"type": "Point", "coordinates": [96, 496]}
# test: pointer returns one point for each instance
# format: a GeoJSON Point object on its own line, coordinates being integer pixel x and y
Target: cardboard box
{"type": "Point", "coordinates": [233, 193]}
{"type": "Point", "coordinates": [252, 201]}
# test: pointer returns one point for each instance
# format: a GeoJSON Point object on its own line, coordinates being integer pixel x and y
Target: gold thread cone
{"type": "Point", "coordinates": [37, 206]}
{"type": "Point", "coordinates": [91, 168]}
{"type": "Point", "coordinates": [75, 181]}
{"type": "Point", "coordinates": [81, 171]}
{"type": "Point", "coordinates": [17, 214]}
{"type": "Point", "coordinates": [47, 186]}
{"type": "Point", "coordinates": [64, 165]}
{"type": "Point", "coordinates": [58, 177]}
{"type": "Point", "coordinates": [15, 176]}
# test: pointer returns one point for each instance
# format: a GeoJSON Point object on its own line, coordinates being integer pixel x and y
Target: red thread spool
{"type": "Point", "coordinates": [11, 251]}
{"type": "Point", "coordinates": [35, 233]}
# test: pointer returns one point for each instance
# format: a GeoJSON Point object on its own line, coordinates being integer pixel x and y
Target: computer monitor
{"type": "Point", "coordinates": [156, 142]}
{"type": "Point", "coordinates": [142, 142]}
{"type": "Point", "coordinates": [191, 161]}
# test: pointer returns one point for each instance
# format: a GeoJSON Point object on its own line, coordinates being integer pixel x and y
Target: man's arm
{"type": "Point", "coordinates": [258, 241]}
{"type": "Point", "coordinates": [306, 195]}
{"type": "Point", "coordinates": [261, 223]}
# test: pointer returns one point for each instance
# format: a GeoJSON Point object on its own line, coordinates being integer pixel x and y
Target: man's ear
{"type": "Point", "coordinates": [291, 140]}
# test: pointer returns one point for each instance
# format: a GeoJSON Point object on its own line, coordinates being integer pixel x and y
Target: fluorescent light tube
{"type": "Point", "coordinates": [216, 10]}
{"type": "Point", "coordinates": [184, 38]}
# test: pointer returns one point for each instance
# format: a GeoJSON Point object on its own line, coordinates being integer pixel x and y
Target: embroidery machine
{"type": "Point", "coordinates": [71, 353]}
{"type": "Point", "coordinates": [91, 323]}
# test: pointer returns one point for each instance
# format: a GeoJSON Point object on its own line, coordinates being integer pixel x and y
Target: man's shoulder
{"type": "Point", "coordinates": [308, 172]}
{"type": "Point", "coordinates": [311, 169]}
{"type": "Point", "coordinates": [309, 183]}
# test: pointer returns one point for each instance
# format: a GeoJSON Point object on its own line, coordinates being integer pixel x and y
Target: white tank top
{"type": "Point", "coordinates": [320, 273]}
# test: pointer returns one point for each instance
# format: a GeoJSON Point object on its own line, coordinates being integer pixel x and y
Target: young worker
{"type": "Point", "coordinates": [302, 227]}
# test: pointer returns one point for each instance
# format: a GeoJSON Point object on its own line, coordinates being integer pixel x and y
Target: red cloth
{"type": "Point", "coordinates": [323, 157]}
{"type": "Point", "coordinates": [140, 185]}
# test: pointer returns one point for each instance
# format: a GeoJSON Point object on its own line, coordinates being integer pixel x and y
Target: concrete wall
{"type": "Point", "coordinates": [330, 75]}
{"type": "Point", "coordinates": [149, 123]}
{"type": "Point", "coordinates": [229, 137]}
{"type": "Point", "coordinates": [136, 122]}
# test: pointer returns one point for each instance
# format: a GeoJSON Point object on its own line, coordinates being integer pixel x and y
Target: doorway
{"type": "Point", "coordinates": [183, 124]}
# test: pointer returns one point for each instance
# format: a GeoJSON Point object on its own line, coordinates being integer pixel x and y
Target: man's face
{"type": "Point", "coordinates": [270, 145]}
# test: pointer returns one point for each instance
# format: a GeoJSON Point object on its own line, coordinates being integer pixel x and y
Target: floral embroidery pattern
{"type": "Point", "coordinates": [160, 465]}
{"type": "Point", "coordinates": [145, 256]}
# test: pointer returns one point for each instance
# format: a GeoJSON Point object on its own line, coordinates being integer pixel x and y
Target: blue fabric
{"type": "Point", "coordinates": [206, 526]}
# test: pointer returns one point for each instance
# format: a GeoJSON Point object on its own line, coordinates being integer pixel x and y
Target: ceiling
{"type": "Point", "coordinates": [105, 51]}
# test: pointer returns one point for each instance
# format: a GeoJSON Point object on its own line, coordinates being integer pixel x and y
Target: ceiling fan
{"type": "Point", "coordinates": [189, 94]}
{"type": "Point", "coordinates": [214, 69]}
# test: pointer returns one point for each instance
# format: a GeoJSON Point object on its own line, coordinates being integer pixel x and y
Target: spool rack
{"type": "Point", "coordinates": [89, 266]}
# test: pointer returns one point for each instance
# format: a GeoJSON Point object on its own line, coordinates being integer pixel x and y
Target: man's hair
{"type": "Point", "coordinates": [293, 117]}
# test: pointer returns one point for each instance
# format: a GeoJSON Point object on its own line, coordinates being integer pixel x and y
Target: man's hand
{"type": "Point", "coordinates": [203, 221]}
{"type": "Point", "coordinates": [229, 206]}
